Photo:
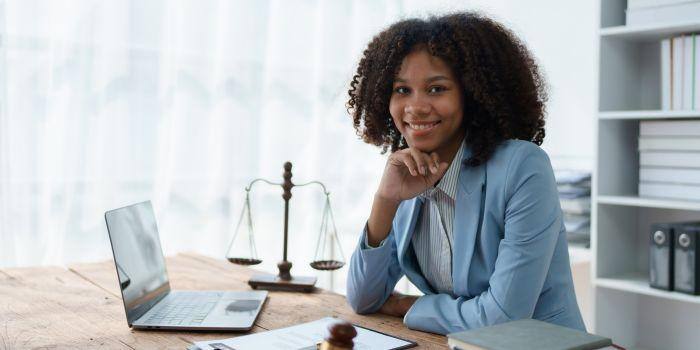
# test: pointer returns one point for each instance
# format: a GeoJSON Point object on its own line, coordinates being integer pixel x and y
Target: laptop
{"type": "Point", "coordinates": [143, 280]}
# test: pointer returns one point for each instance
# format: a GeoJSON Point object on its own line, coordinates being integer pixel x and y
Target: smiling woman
{"type": "Point", "coordinates": [467, 207]}
{"type": "Point", "coordinates": [426, 104]}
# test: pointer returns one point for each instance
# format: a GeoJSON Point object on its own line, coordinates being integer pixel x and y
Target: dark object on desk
{"type": "Point", "coordinates": [661, 256]}
{"type": "Point", "coordinates": [340, 337]}
{"type": "Point", "coordinates": [526, 334]}
{"type": "Point", "coordinates": [326, 246]}
{"type": "Point", "coordinates": [686, 260]}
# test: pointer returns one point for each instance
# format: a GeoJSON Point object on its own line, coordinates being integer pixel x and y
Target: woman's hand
{"type": "Point", "coordinates": [409, 172]}
{"type": "Point", "coordinates": [397, 304]}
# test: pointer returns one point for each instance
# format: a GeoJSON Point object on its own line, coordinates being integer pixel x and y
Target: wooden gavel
{"type": "Point", "coordinates": [340, 337]}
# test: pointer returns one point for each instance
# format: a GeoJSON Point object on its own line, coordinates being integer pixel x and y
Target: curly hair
{"type": "Point", "coordinates": [504, 93]}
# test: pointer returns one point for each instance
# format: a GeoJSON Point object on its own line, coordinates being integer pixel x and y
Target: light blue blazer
{"type": "Point", "coordinates": [510, 258]}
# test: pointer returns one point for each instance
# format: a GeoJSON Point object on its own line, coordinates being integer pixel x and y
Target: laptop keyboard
{"type": "Point", "coordinates": [184, 308]}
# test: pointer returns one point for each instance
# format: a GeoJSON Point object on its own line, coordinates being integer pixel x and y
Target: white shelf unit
{"type": "Point", "coordinates": [625, 308]}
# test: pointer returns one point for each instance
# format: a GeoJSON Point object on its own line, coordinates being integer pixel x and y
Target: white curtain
{"type": "Point", "coordinates": [107, 103]}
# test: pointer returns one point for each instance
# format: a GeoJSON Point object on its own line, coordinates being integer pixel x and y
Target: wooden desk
{"type": "Point", "coordinates": [80, 307]}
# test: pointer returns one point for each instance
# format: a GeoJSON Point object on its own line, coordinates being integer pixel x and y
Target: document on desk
{"type": "Point", "coordinates": [303, 336]}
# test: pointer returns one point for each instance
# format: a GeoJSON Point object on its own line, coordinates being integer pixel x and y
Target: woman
{"type": "Point", "coordinates": [467, 207]}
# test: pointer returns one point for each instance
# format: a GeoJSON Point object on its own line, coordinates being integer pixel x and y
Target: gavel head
{"type": "Point", "coordinates": [340, 336]}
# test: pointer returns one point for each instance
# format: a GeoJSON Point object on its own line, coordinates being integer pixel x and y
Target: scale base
{"type": "Point", "coordinates": [271, 282]}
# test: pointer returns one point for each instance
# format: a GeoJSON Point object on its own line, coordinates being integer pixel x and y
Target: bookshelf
{"type": "Point", "coordinates": [625, 308]}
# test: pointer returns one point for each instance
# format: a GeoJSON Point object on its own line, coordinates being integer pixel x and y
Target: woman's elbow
{"type": "Point", "coordinates": [359, 304]}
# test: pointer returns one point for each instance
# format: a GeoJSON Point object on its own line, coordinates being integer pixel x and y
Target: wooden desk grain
{"type": "Point", "coordinates": [81, 308]}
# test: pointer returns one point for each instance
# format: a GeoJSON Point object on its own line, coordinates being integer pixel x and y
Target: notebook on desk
{"type": "Point", "coordinates": [145, 288]}
{"type": "Point", "coordinates": [526, 334]}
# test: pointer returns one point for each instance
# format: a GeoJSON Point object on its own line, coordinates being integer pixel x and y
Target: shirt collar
{"type": "Point", "coordinates": [448, 183]}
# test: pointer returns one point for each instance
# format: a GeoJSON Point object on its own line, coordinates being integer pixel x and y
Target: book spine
{"type": "Point", "coordinates": [677, 103]}
{"type": "Point", "coordinates": [669, 128]}
{"type": "Point", "coordinates": [688, 73]}
{"type": "Point", "coordinates": [673, 191]}
{"type": "Point", "coordinates": [666, 74]}
{"type": "Point", "coordinates": [680, 12]}
{"type": "Point", "coordinates": [670, 159]}
{"type": "Point", "coordinates": [636, 4]}
{"type": "Point", "coordinates": [670, 175]}
{"type": "Point", "coordinates": [669, 143]}
{"type": "Point", "coordinates": [693, 76]}
{"type": "Point", "coordinates": [696, 70]}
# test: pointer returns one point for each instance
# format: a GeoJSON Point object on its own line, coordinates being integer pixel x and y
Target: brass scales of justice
{"type": "Point", "coordinates": [242, 249]}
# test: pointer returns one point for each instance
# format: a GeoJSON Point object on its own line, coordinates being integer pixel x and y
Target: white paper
{"type": "Point", "coordinates": [302, 336]}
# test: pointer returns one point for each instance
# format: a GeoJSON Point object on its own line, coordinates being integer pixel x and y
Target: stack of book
{"type": "Point", "coordinates": [669, 159]}
{"type": "Point", "coordinates": [680, 72]}
{"type": "Point", "coordinates": [649, 12]}
{"type": "Point", "coordinates": [575, 197]}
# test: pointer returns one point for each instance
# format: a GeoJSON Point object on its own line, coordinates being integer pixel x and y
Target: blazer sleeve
{"type": "Point", "coordinates": [373, 274]}
{"type": "Point", "coordinates": [532, 225]}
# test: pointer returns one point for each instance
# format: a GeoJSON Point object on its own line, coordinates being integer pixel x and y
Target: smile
{"type": "Point", "coordinates": [423, 126]}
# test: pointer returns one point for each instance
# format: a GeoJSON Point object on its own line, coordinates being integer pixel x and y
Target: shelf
{"type": "Point", "coordinates": [634, 201]}
{"type": "Point", "coordinates": [651, 114]}
{"type": "Point", "coordinates": [639, 283]}
{"type": "Point", "coordinates": [652, 32]}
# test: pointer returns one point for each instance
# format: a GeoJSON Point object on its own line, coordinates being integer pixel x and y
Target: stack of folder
{"type": "Point", "coordinates": [575, 196]}
{"type": "Point", "coordinates": [669, 159]}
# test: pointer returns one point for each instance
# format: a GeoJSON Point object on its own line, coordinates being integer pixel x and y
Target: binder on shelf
{"type": "Point", "coordinates": [686, 259]}
{"type": "Point", "coordinates": [661, 256]}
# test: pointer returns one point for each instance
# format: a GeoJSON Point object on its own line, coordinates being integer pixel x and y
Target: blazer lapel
{"type": "Point", "coordinates": [406, 225]}
{"type": "Point", "coordinates": [469, 207]}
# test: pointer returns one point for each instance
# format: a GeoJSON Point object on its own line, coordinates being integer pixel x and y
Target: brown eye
{"type": "Point", "coordinates": [436, 89]}
{"type": "Point", "coordinates": [401, 90]}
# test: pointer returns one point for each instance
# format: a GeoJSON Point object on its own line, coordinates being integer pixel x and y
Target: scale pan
{"type": "Point", "coordinates": [327, 264]}
{"type": "Point", "coordinates": [244, 261]}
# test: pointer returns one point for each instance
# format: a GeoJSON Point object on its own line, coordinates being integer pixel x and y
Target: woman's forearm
{"type": "Point", "coordinates": [380, 219]}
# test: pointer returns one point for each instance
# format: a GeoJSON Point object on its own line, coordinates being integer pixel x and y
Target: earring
{"type": "Point", "coordinates": [402, 142]}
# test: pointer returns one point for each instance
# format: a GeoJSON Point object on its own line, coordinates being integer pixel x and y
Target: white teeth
{"type": "Point", "coordinates": [421, 126]}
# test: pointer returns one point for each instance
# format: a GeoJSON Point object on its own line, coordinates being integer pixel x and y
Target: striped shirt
{"type": "Point", "coordinates": [432, 240]}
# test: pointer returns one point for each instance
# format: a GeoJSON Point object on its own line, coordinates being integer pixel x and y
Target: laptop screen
{"type": "Point", "coordinates": [138, 257]}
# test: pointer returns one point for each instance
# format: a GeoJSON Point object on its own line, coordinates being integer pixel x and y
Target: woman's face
{"type": "Point", "coordinates": [426, 104]}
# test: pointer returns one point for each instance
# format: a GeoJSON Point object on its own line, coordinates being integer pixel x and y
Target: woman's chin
{"type": "Point", "coordinates": [427, 147]}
